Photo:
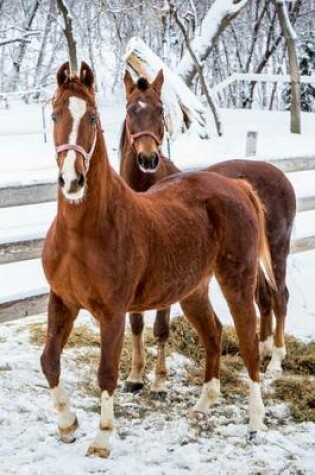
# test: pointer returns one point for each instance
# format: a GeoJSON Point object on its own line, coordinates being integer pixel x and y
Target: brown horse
{"type": "Point", "coordinates": [143, 165]}
{"type": "Point", "coordinates": [111, 250]}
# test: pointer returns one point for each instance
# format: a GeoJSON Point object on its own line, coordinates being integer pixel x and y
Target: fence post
{"type": "Point", "coordinates": [44, 122]}
{"type": "Point", "coordinates": [251, 143]}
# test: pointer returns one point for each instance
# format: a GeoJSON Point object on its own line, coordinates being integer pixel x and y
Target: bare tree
{"type": "Point", "coordinates": [290, 38]}
{"type": "Point", "coordinates": [198, 67]}
{"type": "Point", "coordinates": [17, 63]}
{"type": "Point", "coordinates": [219, 16]}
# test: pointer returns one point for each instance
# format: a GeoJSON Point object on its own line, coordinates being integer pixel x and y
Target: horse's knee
{"type": "Point", "coordinates": [161, 327]}
{"type": "Point", "coordinates": [136, 323]}
{"type": "Point", "coordinates": [51, 368]}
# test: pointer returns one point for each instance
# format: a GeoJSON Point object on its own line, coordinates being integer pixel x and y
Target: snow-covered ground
{"type": "Point", "coordinates": [156, 444]}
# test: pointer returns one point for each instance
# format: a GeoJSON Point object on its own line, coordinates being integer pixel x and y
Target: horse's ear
{"type": "Point", "coordinates": [63, 74]}
{"type": "Point", "coordinates": [129, 84]}
{"type": "Point", "coordinates": [86, 75]}
{"type": "Point", "coordinates": [158, 82]}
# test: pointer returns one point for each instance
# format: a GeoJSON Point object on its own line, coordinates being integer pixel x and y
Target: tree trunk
{"type": "Point", "coordinates": [290, 39]}
{"type": "Point", "coordinates": [68, 31]}
{"type": "Point", "coordinates": [17, 64]}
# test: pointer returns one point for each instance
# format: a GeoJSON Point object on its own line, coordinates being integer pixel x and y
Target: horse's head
{"type": "Point", "coordinates": [145, 119]}
{"type": "Point", "coordinates": [75, 129]}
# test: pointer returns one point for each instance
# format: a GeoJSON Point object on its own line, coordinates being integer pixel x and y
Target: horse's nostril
{"type": "Point", "coordinates": [81, 180]}
{"type": "Point", "coordinates": [154, 160]}
{"type": "Point", "coordinates": [61, 181]}
{"type": "Point", "coordinates": [141, 159]}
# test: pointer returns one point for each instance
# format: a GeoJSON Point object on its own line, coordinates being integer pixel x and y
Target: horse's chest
{"type": "Point", "coordinates": [76, 275]}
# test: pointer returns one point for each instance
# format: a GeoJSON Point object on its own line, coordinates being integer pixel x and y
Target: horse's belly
{"type": "Point", "coordinates": [171, 282]}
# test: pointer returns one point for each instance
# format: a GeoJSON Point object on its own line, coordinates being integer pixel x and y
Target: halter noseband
{"type": "Point", "coordinates": [77, 148]}
{"type": "Point", "coordinates": [143, 133]}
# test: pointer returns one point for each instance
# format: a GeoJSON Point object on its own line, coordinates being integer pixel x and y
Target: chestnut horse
{"type": "Point", "coordinates": [143, 165]}
{"type": "Point", "coordinates": [111, 250]}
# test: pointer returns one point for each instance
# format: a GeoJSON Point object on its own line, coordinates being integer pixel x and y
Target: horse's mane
{"type": "Point", "coordinates": [122, 140]}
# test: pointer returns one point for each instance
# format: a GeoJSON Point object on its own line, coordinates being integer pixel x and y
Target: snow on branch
{"type": "Point", "coordinates": [220, 14]}
{"type": "Point", "coordinates": [183, 109]}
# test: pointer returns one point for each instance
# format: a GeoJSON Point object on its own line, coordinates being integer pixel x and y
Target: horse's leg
{"type": "Point", "coordinates": [112, 336]}
{"type": "Point", "coordinates": [60, 323]}
{"type": "Point", "coordinates": [200, 313]}
{"type": "Point", "coordinates": [134, 382]}
{"type": "Point", "coordinates": [238, 290]}
{"type": "Point", "coordinates": [161, 331]}
{"type": "Point", "coordinates": [264, 302]}
{"type": "Point", "coordinates": [280, 302]}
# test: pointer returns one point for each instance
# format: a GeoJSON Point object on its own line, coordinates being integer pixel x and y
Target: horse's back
{"type": "Point", "coordinates": [271, 184]}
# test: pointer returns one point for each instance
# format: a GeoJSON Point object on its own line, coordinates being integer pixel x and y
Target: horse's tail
{"type": "Point", "coordinates": [265, 262]}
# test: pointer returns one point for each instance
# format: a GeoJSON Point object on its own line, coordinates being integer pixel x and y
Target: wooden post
{"type": "Point", "coordinates": [251, 143]}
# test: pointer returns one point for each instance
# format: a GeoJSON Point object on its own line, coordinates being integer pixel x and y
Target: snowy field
{"type": "Point", "coordinates": [155, 444]}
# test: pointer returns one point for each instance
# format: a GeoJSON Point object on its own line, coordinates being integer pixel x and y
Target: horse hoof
{"type": "Point", "coordinates": [158, 395]}
{"type": "Point", "coordinates": [197, 415]}
{"type": "Point", "coordinates": [252, 437]}
{"type": "Point", "coordinates": [273, 372]}
{"type": "Point", "coordinates": [98, 452]}
{"type": "Point", "coordinates": [67, 434]}
{"type": "Point", "coordinates": [131, 387]}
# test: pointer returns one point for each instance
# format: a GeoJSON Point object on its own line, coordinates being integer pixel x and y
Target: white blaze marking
{"type": "Point", "coordinates": [142, 105]}
{"type": "Point", "coordinates": [209, 393]}
{"type": "Point", "coordinates": [62, 405]}
{"type": "Point", "coordinates": [77, 109]}
{"type": "Point", "coordinates": [101, 440]}
{"type": "Point", "coordinates": [256, 408]}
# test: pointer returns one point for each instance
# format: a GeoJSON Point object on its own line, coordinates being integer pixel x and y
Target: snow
{"type": "Point", "coordinates": [158, 443]}
{"type": "Point", "coordinates": [177, 97]}
{"type": "Point", "coordinates": [220, 11]}
{"type": "Point", "coordinates": [151, 437]}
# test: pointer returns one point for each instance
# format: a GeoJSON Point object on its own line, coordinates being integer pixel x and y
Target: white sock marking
{"type": "Point", "coordinates": [77, 109]}
{"type": "Point", "coordinates": [265, 347]}
{"type": "Point", "coordinates": [209, 393]}
{"type": "Point", "coordinates": [101, 440]}
{"type": "Point", "coordinates": [256, 408]}
{"type": "Point", "coordinates": [277, 356]}
{"type": "Point", "coordinates": [62, 405]}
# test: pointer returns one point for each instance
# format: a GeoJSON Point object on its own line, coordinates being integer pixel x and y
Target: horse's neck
{"type": "Point", "coordinates": [138, 180]}
{"type": "Point", "coordinates": [86, 214]}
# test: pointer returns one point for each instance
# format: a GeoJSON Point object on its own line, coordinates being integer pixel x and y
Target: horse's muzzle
{"type": "Point", "coordinates": [74, 186]}
{"type": "Point", "coordinates": [148, 163]}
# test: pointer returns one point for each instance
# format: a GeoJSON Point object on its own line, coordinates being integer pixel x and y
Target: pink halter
{"type": "Point", "coordinates": [137, 135]}
{"type": "Point", "coordinates": [77, 148]}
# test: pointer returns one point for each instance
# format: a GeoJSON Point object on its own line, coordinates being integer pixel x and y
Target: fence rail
{"type": "Point", "coordinates": [26, 249]}
{"type": "Point", "coordinates": [20, 195]}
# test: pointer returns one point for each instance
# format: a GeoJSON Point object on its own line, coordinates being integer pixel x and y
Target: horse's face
{"type": "Point", "coordinates": [145, 119]}
{"type": "Point", "coordinates": [75, 127]}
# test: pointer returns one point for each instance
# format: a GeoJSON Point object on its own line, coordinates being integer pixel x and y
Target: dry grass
{"type": "Point", "coordinates": [184, 339]}
{"type": "Point", "coordinates": [81, 335]}
{"type": "Point", "coordinates": [298, 389]}
{"type": "Point", "coordinates": [299, 394]}
{"type": "Point", "coordinates": [300, 357]}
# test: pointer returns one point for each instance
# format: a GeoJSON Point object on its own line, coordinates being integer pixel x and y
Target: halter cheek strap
{"type": "Point", "coordinates": [77, 148]}
{"type": "Point", "coordinates": [143, 133]}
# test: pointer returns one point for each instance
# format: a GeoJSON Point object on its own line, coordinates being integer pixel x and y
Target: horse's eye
{"type": "Point", "coordinates": [92, 118]}
{"type": "Point", "coordinates": [54, 117]}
